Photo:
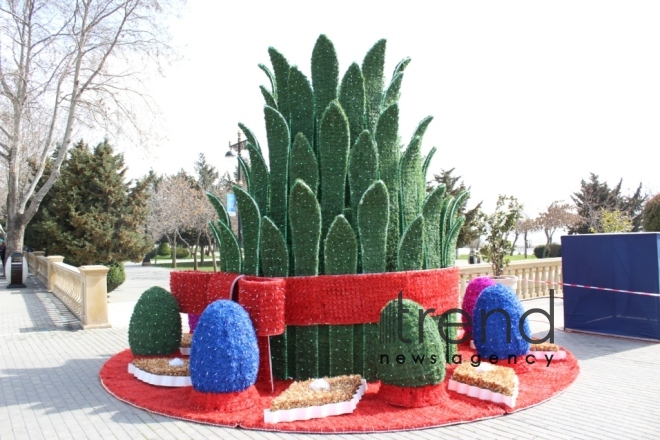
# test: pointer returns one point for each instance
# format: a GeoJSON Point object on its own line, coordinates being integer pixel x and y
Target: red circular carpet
{"type": "Point", "coordinates": [538, 383]}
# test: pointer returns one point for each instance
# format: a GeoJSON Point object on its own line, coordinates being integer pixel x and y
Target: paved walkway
{"type": "Point", "coordinates": [49, 384]}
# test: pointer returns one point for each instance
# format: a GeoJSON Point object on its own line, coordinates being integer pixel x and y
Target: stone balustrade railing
{"type": "Point", "coordinates": [82, 289]}
{"type": "Point", "coordinates": [534, 276]}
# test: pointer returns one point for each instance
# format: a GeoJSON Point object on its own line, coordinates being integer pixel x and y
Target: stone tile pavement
{"type": "Point", "coordinates": [49, 385]}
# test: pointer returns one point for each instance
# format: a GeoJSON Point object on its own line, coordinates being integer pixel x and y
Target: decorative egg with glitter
{"type": "Point", "coordinates": [497, 323]}
{"type": "Point", "coordinates": [155, 327]}
{"type": "Point", "coordinates": [224, 356]}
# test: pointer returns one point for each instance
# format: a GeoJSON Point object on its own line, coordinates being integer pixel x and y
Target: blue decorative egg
{"type": "Point", "coordinates": [502, 335]}
{"type": "Point", "coordinates": [224, 356]}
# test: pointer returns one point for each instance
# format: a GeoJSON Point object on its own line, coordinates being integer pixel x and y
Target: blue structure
{"type": "Point", "coordinates": [617, 261]}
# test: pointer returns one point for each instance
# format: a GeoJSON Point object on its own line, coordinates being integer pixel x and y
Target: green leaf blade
{"type": "Point", "coordinates": [305, 220]}
{"type": "Point", "coordinates": [362, 169]}
{"type": "Point", "coordinates": [277, 132]}
{"type": "Point", "coordinates": [411, 248]}
{"type": "Point", "coordinates": [372, 220]}
{"type": "Point", "coordinates": [301, 99]}
{"type": "Point", "coordinates": [273, 249]}
{"type": "Point", "coordinates": [373, 69]}
{"type": "Point", "coordinates": [341, 248]}
{"type": "Point", "coordinates": [352, 100]}
{"type": "Point", "coordinates": [333, 154]}
{"type": "Point", "coordinates": [250, 229]}
{"type": "Point", "coordinates": [303, 163]}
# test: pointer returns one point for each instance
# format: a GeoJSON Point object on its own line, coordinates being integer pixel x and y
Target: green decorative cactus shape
{"type": "Point", "coordinates": [334, 144]}
{"type": "Point", "coordinates": [362, 169]}
{"type": "Point", "coordinates": [400, 335]}
{"type": "Point", "coordinates": [335, 192]}
{"type": "Point", "coordinates": [302, 163]}
{"type": "Point", "coordinates": [301, 98]}
{"type": "Point", "coordinates": [260, 181]}
{"type": "Point", "coordinates": [372, 220]}
{"type": "Point", "coordinates": [351, 97]}
{"type": "Point", "coordinates": [372, 69]}
{"type": "Point", "coordinates": [340, 248]}
{"type": "Point", "coordinates": [411, 248]}
{"type": "Point", "coordinates": [155, 326]}
{"type": "Point", "coordinates": [335, 161]}
{"type": "Point", "coordinates": [251, 229]}
{"type": "Point", "coordinates": [305, 218]}
{"type": "Point", "coordinates": [432, 212]}
{"type": "Point", "coordinates": [277, 131]}
{"type": "Point", "coordinates": [274, 253]}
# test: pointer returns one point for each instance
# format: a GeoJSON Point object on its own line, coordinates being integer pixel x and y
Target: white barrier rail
{"type": "Point", "coordinates": [82, 289]}
{"type": "Point", "coordinates": [535, 276]}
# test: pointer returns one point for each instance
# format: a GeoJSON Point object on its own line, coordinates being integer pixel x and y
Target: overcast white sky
{"type": "Point", "coordinates": [528, 97]}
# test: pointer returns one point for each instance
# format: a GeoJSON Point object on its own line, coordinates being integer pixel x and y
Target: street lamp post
{"type": "Point", "coordinates": [238, 147]}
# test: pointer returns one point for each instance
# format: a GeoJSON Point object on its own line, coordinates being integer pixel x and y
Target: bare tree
{"type": "Point", "coordinates": [557, 216]}
{"type": "Point", "coordinates": [524, 227]}
{"type": "Point", "coordinates": [178, 204]}
{"type": "Point", "coordinates": [66, 65]}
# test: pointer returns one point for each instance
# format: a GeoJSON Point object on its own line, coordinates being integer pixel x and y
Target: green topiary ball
{"type": "Point", "coordinates": [116, 276]}
{"type": "Point", "coordinates": [409, 364]}
{"type": "Point", "coordinates": [155, 327]}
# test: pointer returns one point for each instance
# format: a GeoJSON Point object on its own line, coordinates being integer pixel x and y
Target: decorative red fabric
{"type": "Point", "coordinates": [263, 299]}
{"type": "Point", "coordinates": [189, 289]}
{"type": "Point", "coordinates": [220, 286]}
{"type": "Point", "coordinates": [224, 402]}
{"type": "Point", "coordinates": [413, 397]}
{"type": "Point", "coordinates": [322, 300]}
{"type": "Point", "coordinates": [538, 383]}
{"type": "Point", "coordinates": [358, 299]}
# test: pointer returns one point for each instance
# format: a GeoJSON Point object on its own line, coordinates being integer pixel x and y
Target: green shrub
{"type": "Point", "coordinates": [182, 252]}
{"type": "Point", "coordinates": [555, 251]}
{"type": "Point", "coordinates": [116, 276]}
{"type": "Point", "coordinates": [155, 327]}
{"type": "Point", "coordinates": [539, 251]}
{"type": "Point", "coordinates": [164, 250]}
{"type": "Point", "coordinates": [652, 214]}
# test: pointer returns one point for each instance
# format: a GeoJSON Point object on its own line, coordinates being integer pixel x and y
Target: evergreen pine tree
{"type": "Point", "coordinates": [95, 216]}
{"type": "Point", "coordinates": [595, 195]}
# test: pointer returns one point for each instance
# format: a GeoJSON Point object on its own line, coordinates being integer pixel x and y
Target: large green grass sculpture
{"type": "Point", "coordinates": [338, 194]}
